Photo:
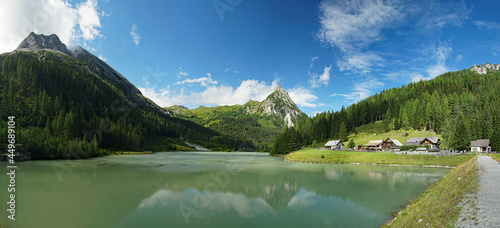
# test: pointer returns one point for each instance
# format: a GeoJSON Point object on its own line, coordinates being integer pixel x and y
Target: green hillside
{"type": "Point", "coordinates": [256, 123]}
{"type": "Point", "coordinates": [458, 106]}
{"type": "Point", "coordinates": [62, 110]}
{"type": "Point", "coordinates": [377, 131]}
{"type": "Point", "coordinates": [236, 122]}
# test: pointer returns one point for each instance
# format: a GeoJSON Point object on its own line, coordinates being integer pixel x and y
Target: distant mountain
{"type": "Point", "coordinates": [280, 104]}
{"type": "Point", "coordinates": [71, 104]}
{"type": "Point", "coordinates": [485, 68]}
{"type": "Point", "coordinates": [258, 122]}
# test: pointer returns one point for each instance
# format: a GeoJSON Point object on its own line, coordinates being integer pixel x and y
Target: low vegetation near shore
{"type": "Point", "coordinates": [438, 205]}
{"type": "Point", "coordinates": [379, 158]}
{"type": "Point", "coordinates": [495, 156]}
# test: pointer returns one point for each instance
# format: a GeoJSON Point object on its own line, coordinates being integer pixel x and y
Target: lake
{"type": "Point", "coordinates": [208, 189]}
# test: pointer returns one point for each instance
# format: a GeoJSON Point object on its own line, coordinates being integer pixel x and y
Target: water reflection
{"type": "Point", "coordinates": [211, 190]}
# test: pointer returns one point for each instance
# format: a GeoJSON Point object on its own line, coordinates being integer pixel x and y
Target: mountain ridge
{"type": "Point", "coordinates": [132, 95]}
{"type": "Point", "coordinates": [71, 108]}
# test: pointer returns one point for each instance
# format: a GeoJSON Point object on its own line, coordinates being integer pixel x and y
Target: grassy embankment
{"type": "Point", "coordinates": [438, 205]}
{"type": "Point", "coordinates": [379, 158]}
{"type": "Point", "coordinates": [495, 156]}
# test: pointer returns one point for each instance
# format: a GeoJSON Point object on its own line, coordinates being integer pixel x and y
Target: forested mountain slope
{"type": "Point", "coordinates": [257, 122]}
{"type": "Point", "coordinates": [461, 106]}
{"type": "Point", "coordinates": [72, 105]}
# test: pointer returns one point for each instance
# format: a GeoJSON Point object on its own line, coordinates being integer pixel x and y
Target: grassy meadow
{"type": "Point", "coordinates": [312, 155]}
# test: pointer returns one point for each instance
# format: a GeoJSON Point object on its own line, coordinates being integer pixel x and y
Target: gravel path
{"type": "Point", "coordinates": [483, 211]}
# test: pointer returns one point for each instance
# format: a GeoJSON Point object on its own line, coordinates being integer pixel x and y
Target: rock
{"type": "Point", "coordinates": [34, 43]}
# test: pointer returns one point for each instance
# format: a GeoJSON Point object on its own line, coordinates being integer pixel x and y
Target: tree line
{"type": "Point", "coordinates": [460, 106]}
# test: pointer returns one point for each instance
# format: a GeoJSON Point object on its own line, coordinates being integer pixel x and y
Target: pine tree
{"type": "Point", "coordinates": [343, 132]}
{"type": "Point", "coordinates": [460, 139]}
{"type": "Point", "coordinates": [387, 118]}
{"type": "Point", "coordinates": [351, 144]}
{"type": "Point", "coordinates": [495, 140]}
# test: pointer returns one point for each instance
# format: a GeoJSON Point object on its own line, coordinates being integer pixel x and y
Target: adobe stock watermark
{"type": "Point", "coordinates": [218, 180]}
{"type": "Point", "coordinates": [223, 6]}
{"type": "Point", "coordinates": [11, 151]}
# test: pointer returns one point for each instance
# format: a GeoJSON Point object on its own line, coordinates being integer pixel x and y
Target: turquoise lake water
{"type": "Point", "coordinates": [208, 189]}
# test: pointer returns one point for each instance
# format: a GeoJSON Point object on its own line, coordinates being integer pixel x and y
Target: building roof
{"type": "Point", "coordinates": [374, 143]}
{"type": "Point", "coordinates": [433, 139]}
{"type": "Point", "coordinates": [480, 143]}
{"type": "Point", "coordinates": [395, 141]}
{"type": "Point", "coordinates": [414, 143]}
{"type": "Point", "coordinates": [333, 143]}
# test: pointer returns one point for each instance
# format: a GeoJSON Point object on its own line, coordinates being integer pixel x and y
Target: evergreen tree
{"type": "Point", "coordinates": [495, 141]}
{"type": "Point", "coordinates": [351, 144]}
{"type": "Point", "coordinates": [343, 132]}
{"type": "Point", "coordinates": [387, 118]}
{"type": "Point", "coordinates": [460, 139]}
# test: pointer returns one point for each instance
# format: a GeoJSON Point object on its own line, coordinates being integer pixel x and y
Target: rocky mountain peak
{"type": "Point", "coordinates": [483, 69]}
{"type": "Point", "coordinates": [35, 42]}
{"type": "Point", "coordinates": [278, 103]}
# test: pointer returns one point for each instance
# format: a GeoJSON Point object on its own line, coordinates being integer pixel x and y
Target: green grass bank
{"type": "Point", "coordinates": [438, 205]}
{"type": "Point", "coordinates": [312, 155]}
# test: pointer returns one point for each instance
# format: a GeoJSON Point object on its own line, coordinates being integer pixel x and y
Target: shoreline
{"type": "Point", "coordinates": [358, 163]}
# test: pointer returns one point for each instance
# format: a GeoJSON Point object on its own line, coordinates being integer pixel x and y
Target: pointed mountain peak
{"type": "Point", "coordinates": [35, 42]}
{"type": "Point", "coordinates": [280, 89]}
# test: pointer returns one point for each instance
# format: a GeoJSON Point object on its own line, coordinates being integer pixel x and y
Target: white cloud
{"type": "Point", "coordinates": [319, 80]}
{"type": "Point", "coordinates": [73, 24]}
{"type": "Point", "coordinates": [303, 97]}
{"type": "Point", "coordinates": [436, 15]}
{"type": "Point", "coordinates": [487, 24]}
{"type": "Point", "coordinates": [134, 35]}
{"type": "Point", "coordinates": [183, 73]}
{"type": "Point", "coordinates": [102, 57]}
{"type": "Point", "coordinates": [459, 58]}
{"type": "Point", "coordinates": [227, 95]}
{"type": "Point", "coordinates": [441, 53]}
{"type": "Point", "coordinates": [354, 27]}
{"type": "Point", "coordinates": [204, 81]}
{"type": "Point", "coordinates": [213, 95]}
{"type": "Point", "coordinates": [312, 61]}
{"type": "Point", "coordinates": [351, 26]}
{"type": "Point", "coordinates": [89, 20]}
{"type": "Point", "coordinates": [361, 90]}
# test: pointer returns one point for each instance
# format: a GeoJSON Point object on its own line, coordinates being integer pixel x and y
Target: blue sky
{"type": "Point", "coordinates": [326, 54]}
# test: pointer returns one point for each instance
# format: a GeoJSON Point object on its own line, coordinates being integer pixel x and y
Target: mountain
{"type": "Point", "coordinates": [280, 104]}
{"type": "Point", "coordinates": [71, 104]}
{"type": "Point", "coordinates": [437, 105]}
{"type": "Point", "coordinates": [483, 69]}
{"type": "Point", "coordinates": [34, 43]}
{"type": "Point", "coordinates": [258, 122]}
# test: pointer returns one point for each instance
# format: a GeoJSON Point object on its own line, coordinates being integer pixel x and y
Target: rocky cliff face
{"type": "Point", "coordinates": [34, 43]}
{"type": "Point", "coordinates": [483, 69]}
{"type": "Point", "coordinates": [278, 103]}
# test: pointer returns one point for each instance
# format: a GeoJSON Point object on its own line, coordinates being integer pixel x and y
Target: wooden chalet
{"type": "Point", "coordinates": [374, 144]}
{"type": "Point", "coordinates": [390, 143]}
{"type": "Point", "coordinates": [433, 142]}
{"type": "Point", "coordinates": [480, 145]}
{"type": "Point", "coordinates": [334, 145]}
